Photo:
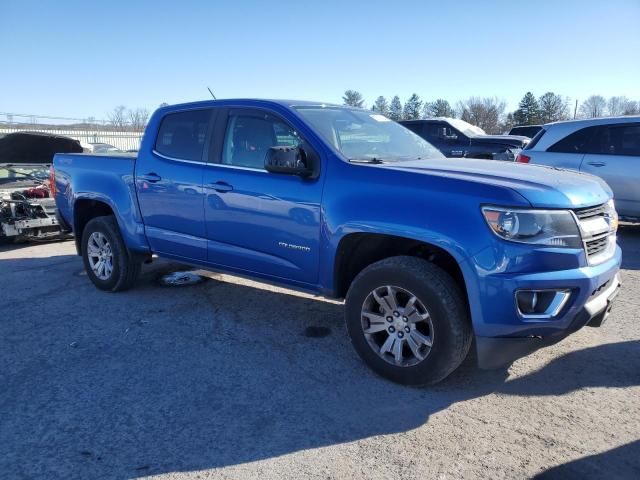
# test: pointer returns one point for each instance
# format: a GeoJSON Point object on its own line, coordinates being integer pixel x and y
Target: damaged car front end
{"type": "Point", "coordinates": [27, 207]}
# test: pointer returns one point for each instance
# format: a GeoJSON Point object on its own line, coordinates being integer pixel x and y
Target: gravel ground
{"type": "Point", "coordinates": [238, 379]}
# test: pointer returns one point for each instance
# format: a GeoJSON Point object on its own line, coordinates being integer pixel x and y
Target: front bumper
{"type": "Point", "coordinates": [502, 332]}
{"type": "Point", "coordinates": [495, 352]}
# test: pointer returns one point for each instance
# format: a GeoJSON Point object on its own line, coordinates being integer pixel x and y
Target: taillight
{"type": "Point", "coordinates": [52, 182]}
{"type": "Point", "coordinates": [523, 158]}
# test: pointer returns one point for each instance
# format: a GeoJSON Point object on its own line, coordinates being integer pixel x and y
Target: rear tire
{"type": "Point", "coordinates": [107, 261]}
{"type": "Point", "coordinates": [408, 320]}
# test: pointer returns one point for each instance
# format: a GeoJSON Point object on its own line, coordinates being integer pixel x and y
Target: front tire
{"type": "Point", "coordinates": [408, 320]}
{"type": "Point", "coordinates": [107, 261]}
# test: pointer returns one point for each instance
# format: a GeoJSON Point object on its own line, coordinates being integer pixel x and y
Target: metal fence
{"type": "Point", "coordinates": [123, 139]}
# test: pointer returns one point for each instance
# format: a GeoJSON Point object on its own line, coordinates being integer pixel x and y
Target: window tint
{"type": "Point", "coordinates": [440, 131]}
{"type": "Point", "coordinates": [578, 142]}
{"type": "Point", "coordinates": [249, 136]}
{"type": "Point", "coordinates": [182, 134]}
{"type": "Point", "coordinates": [529, 131]}
{"type": "Point", "coordinates": [618, 140]}
{"type": "Point", "coordinates": [534, 141]}
{"type": "Point", "coordinates": [414, 127]}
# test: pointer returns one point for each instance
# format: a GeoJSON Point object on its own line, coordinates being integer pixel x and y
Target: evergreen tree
{"type": "Point", "coordinates": [439, 108]}
{"type": "Point", "coordinates": [353, 98]}
{"type": "Point", "coordinates": [395, 109]}
{"type": "Point", "coordinates": [528, 112]}
{"type": "Point", "coordinates": [381, 106]}
{"type": "Point", "coordinates": [412, 108]}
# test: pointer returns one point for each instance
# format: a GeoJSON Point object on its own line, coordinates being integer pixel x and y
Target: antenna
{"type": "Point", "coordinates": [214, 97]}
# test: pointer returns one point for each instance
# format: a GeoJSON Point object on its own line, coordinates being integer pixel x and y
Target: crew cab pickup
{"type": "Point", "coordinates": [457, 138]}
{"type": "Point", "coordinates": [429, 255]}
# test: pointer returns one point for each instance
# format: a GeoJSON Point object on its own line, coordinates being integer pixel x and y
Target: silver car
{"type": "Point", "coordinates": [606, 147]}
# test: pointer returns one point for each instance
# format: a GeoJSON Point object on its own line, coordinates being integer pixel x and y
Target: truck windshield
{"type": "Point", "coordinates": [367, 136]}
{"type": "Point", "coordinates": [15, 173]}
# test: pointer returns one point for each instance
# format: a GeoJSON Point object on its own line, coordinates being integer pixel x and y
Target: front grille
{"type": "Point", "coordinates": [595, 242]}
{"type": "Point", "coordinates": [597, 245]}
{"type": "Point", "coordinates": [590, 212]}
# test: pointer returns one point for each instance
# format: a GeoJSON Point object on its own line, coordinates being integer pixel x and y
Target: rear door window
{"type": "Point", "coordinates": [182, 135]}
{"type": "Point", "coordinates": [619, 140]}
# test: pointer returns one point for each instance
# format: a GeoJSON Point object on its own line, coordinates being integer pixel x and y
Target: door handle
{"type": "Point", "coordinates": [151, 177]}
{"type": "Point", "coordinates": [596, 164]}
{"type": "Point", "coordinates": [221, 187]}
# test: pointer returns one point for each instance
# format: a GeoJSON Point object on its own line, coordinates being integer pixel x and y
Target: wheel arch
{"type": "Point", "coordinates": [85, 210]}
{"type": "Point", "coordinates": [358, 250]}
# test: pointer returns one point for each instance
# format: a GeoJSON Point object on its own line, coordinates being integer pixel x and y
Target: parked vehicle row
{"type": "Point", "coordinates": [429, 254]}
{"type": "Point", "coordinates": [606, 147]}
{"type": "Point", "coordinates": [456, 138]}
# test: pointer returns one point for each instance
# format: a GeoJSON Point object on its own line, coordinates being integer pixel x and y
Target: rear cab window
{"type": "Point", "coordinates": [182, 135]}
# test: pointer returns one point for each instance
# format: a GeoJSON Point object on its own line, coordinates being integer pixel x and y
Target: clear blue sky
{"type": "Point", "coordinates": [82, 58]}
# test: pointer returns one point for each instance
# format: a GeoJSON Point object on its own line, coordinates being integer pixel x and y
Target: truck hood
{"type": "Point", "coordinates": [511, 140]}
{"type": "Point", "coordinates": [544, 187]}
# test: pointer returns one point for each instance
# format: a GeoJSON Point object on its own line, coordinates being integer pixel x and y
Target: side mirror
{"type": "Point", "coordinates": [288, 160]}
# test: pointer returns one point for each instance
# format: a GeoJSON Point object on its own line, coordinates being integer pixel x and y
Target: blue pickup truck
{"type": "Point", "coordinates": [431, 255]}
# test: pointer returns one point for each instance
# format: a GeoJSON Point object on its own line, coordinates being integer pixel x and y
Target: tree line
{"type": "Point", "coordinates": [126, 118]}
{"type": "Point", "coordinates": [489, 113]}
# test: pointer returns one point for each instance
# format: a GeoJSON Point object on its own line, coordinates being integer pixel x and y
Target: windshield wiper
{"type": "Point", "coordinates": [373, 160]}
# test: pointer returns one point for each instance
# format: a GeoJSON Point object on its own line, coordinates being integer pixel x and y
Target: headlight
{"type": "Point", "coordinates": [553, 228]}
{"type": "Point", "coordinates": [612, 215]}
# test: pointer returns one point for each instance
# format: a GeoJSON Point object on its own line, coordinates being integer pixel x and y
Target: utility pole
{"type": "Point", "coordinates": [575, 109]}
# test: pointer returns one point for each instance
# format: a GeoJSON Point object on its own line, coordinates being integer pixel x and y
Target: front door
{"type": "Point", "coordinates": [169, 185]}
{"type": "Point", "coordinates": [256, 221]}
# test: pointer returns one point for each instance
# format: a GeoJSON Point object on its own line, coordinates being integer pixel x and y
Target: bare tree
{"type": "Point", "coordinates": [138, 118]}
{"type": "Point", "coordinates": [593, 107]}
{"type": "Point", "coordinates": [485, 113]}
{"type": "Point", "coordinates": [631, 108]}
{"type": "Point", "coordinates": [617, 105]}
{"type": "Point", "coordinates": [118, 116]}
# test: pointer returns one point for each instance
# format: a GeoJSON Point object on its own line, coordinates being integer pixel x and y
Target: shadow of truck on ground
{"type": "Point", "coordinates": [160, 380]}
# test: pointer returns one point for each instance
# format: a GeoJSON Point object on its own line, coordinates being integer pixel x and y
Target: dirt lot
{"type": "Point", "coordinates": [226, 379]}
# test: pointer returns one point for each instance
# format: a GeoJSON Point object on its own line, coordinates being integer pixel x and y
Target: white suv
{"type": "Point", "coordinates": [606, 147]}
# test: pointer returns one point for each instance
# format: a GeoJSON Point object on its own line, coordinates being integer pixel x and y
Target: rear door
{"type": "Point", "coordinates": [169, 185]}
{"type": "Point", "coordinates": [615, 157]}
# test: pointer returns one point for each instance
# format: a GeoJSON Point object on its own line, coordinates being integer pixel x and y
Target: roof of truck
{"type": "Point", "coordinates": [250, 101]}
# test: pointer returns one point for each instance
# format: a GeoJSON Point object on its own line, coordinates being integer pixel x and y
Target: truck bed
{"type": "Point", "coordinates": [107, 178]}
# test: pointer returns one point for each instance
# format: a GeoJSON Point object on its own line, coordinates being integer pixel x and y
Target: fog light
{"type": "Point", "coordinates": [541, 304]}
